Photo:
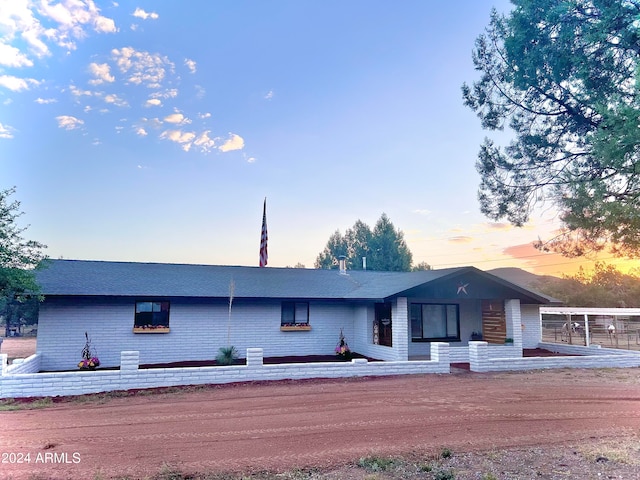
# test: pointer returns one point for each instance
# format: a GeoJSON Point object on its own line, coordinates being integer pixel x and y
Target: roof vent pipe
{"type": "Point", "coordinates": [342, 262]}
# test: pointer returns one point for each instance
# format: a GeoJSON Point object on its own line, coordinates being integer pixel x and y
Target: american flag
{"type": "Point", "coordinates": [264, 237]}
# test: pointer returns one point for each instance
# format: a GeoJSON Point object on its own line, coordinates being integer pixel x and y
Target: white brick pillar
{"type": "Point", "coordinates": [254, 357]}
{"type": "Point", "coordinates": [129, 361]}
{"type": "Point", "coordinates": [440, 354]}
{"type": "Point", "coordinates": [4, 361]}
{"type": "Point", "coordinates": [478, 356]}
{"type": "Point", "coordinates": [400, 328]}
{"type": "Point", "coordinates": [514, 322]}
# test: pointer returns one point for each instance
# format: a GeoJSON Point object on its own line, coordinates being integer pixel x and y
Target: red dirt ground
{"type": "Point", "coordinates": [319, 423]}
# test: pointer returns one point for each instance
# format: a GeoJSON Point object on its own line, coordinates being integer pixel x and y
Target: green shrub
{"type": "Point", "coordinates": [444, 475]}
{"type": "Point", "coordinates": [226, 355]}
{"type": "Point", "coordinates": [376, 464]}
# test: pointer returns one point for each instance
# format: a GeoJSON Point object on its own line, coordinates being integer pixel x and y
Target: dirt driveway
{"type": "Point", "coordinates": [320, 423]}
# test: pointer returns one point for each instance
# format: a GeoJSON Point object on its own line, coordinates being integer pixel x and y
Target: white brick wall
{"type": "Point", "coordinates": [481, 362]}
{"type": "Point", "coordinates": [28, 365]}
{"type": "Point", "coordinates": [582, 350]}
{"type": "Point", "coordinates": [514, 322]}
{"type": "Point", "coordinates": [531, 326]}
{"type": "Point", "coordinates": [400, 328]}
{"type": "Point", "coordinates": [129, 377]}
{"type": "Point", "coordinates": [198, 330]}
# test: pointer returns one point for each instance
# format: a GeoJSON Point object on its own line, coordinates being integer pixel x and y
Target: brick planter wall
{"type": "Point", "coordinates": [131, 377]}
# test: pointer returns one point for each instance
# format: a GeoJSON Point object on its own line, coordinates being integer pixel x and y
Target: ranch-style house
{"type": "Point", "coordinates": [176, 312]}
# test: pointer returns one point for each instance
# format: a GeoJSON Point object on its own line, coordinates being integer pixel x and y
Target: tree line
{"type": "Point", "coordinates": [604, 286]}
{"type": "Point", "coordinates": [19, 258]}
{"type": "Point", "coordinates": [380, 248]}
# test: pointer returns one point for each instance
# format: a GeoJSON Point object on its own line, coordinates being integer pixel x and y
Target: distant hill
{"type": "Point", "coordinates": [521, 277]}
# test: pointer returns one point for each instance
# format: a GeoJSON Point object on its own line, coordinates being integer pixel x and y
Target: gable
{"type": "Point", "coordinates": [470, 283]}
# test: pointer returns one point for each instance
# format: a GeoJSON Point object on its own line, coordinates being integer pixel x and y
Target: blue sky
{"type": "Point", "coordinates": [152, 131]}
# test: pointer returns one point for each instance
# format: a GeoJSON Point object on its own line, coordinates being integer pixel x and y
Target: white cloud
{"type": "Point", "coordinates": [168, 93]}
{"type": "Point", "coordinates": [45, 101]}
{"type": "Point", "coordinates": [235, 142]}
{"type": "Point", "coordinates": [191, 65]}
{"type": "Point", "coordinates": [153, 102]}
{"type": "Point", "coordinates": [71, 18]}
{"type": "Point", "coordinates": [177, 119]}
{"type": "Point", "coordinates": [204, 142]}
{"type": "Point", "coordinates": [101, 72]}
{"type": "Point", "coordinates": [68, 122]}
{"type": "Point", "coordinates": [460, 239]}
{"type": "Point", "coordinates": [17, 84]}
{"type": "Point", "coordinates": [105, 25]}
{"type": "Point", "coordinates": [6, 131]}
{"type": "Point", "coordinates": [154, 123]}
{"type": "Point", "coordinates": [141, 132]}
{"type": "Point", "coordinates": [422, 211]}
{"type": "Point", "coordinates": [12, 57]}
{"type": "Point", "coordinates": [269, 95]}
{"type": "Point", "coordinates": [185, 139]}
{"type": "Point", "coordinates": [204, 115]}
{"type": "Point", "coordinates": [76, 92]}
{"type": "Point", "coordinates": [115, 100]}
{"type": "Point", "coordinates": [140, 13]}
{"type": "Point", "coordinates": [16, 17]}
{"type": "Point", "coordinates": [142, 67]}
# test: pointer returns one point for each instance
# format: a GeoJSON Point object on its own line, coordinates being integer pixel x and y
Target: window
{"type": "Point", "coordinates": [294, 314]}
{"type": "Point", "coordinates": [151, 316]}
{"type": "Point", "coordinates": [433, 322]}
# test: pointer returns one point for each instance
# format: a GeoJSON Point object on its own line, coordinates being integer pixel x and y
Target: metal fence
{"type": "Point", "coordinates": [608, 331]}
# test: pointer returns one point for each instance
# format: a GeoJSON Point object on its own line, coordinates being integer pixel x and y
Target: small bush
{"type": "Point", "coordinates": [444, 475]}
{"type": "Point", "coordinates": [226, 355]}
{"type": "Point", "coordinates": [376, 464]}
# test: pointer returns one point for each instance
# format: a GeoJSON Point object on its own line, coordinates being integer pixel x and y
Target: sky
{"type": "Point", "coordinates": [153, 131]}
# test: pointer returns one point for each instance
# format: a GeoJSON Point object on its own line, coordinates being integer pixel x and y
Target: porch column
{"type": "Point", "coordinates": [514, 321]}
{"type": "Point", "coordinates": [400, 328]}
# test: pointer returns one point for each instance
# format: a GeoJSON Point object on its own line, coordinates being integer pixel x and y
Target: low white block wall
{"type": "Point", "coordinates": [461, 354]}
{"type": "Point", "coordinates": [582, 350]}
{"type": "Point", "coordinates": [130, 377]}
{"type": "Point", "coordinates": [481, 362]}
{"type": "Point", "coordinates": [28, 365]}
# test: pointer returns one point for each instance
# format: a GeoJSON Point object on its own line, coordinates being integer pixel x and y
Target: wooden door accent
{"type": "Point", "coordinates": [494, 321]}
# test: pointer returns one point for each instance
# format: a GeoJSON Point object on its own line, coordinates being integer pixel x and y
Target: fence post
{"type": "Point", "coordinates": [478, 357]}
{"type": "Point", "coordinates": [254, 357]}
{"type": "Point", "coordinates": [440, 354]}
{"type": "Point", "coordinates": [129, 361]}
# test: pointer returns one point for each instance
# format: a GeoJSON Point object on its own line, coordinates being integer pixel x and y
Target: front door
{"type": "Point", "coordinates": [494, 321]}
{"type": "Point", "coordinates": [383, 324]}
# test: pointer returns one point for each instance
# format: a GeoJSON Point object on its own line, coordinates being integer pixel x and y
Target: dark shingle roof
{"type": "Point", "coordinates": [101, 278]}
